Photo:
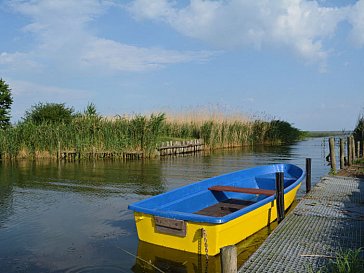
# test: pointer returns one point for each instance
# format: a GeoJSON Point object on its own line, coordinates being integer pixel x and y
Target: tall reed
{"type": "Point", "coordinates": [84, 135]}
{"type": "Point", "coordinates": [234, 133]}
{"type": "Point", "coordinates": [91, 133]}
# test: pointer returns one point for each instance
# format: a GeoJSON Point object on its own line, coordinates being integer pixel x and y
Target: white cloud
{"type": "Point", "coordinates": [17, 60]}
{"type": "Point", "coordinates": [64, 41]}
{"type": "Point", "coordinates": [41, 91]}
{"type": "Point", "coordinates": [152, 9]}
{"type": "Point", "coordinates": [28, 93]}
{"type": "Point", "coordinates": [116, 56]}
{"type": "Point", "coordinates": [300, 25]}
{"type": "Point", "coordinates": [356, 18]}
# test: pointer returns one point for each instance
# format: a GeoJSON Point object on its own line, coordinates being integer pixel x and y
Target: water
{"type": "Point", "coordinates": [73, 217]}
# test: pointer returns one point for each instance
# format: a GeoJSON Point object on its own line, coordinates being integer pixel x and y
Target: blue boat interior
{"type": "Point", "coordinates": [196, 202]}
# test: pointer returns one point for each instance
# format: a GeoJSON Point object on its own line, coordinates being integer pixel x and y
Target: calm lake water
{"type": "Point", "coordinates": [73, 217]}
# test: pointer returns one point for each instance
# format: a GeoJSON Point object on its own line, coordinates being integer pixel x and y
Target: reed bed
{"type": "Point", "coordinates": [234, 133]}
{"type": "Point", "coordinates": [94, 134]}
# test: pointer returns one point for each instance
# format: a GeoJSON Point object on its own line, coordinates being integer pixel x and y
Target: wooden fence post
{"type": "Point", "coordinates": [332, 154]}
{"type": "Point", "coordinates": [353, 149]}
{"type": "Point", "coordinates": [358, 149]}
{"type": "Point", "coordinates": [349, 148]}
{"type": "Point", "coordinates": [342, 152]}
{"type": "Point", "coordinates": [280, 196]}
{"type": "Point", "coordinates": [308, 175]}
{"type": "Point", "coordinates": [229, 259]}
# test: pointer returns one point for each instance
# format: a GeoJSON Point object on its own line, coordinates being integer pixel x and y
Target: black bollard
{"type": "Point", "coordinates": [308, 175]}
{"type": "Point", "coordinates": [280, 195]}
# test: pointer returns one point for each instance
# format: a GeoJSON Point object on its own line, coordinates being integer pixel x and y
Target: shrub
{"type": "Point", "coordinates": [50, 113]}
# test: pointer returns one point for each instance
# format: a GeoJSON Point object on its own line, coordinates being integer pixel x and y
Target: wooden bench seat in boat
{"type": "Point", "coordinates": [231, 205]}
{"type": "Point", "coordinates": [243, 190]}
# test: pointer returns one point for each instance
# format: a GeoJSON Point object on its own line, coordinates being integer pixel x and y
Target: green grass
{"type": "Point", "coordinates": [359, 161]}
{"type": "Point", "coordinates": [346, 261]}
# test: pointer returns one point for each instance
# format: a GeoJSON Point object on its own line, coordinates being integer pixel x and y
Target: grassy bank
{"type": "Point", "coordinates": [346, 261]}
{"type": "Point", "coordinates": [90, 134]}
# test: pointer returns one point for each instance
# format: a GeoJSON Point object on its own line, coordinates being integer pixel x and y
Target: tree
{"type": "Point", "coordinates": [5, 104]}
{"type": "Point", "coordinates": [90, 110]}
{"type": "Point", "coordinates": [283, 131]}
{"type": "Point", "coordinates": [359, 129]}
{"type": "Point", "coordinates": [49, 112]}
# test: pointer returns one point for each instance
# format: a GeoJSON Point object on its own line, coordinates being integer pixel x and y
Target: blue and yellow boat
{"type": "Point", "coordinates": [217, 211]}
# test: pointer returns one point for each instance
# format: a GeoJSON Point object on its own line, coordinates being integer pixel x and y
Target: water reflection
{"type": "Point", "coordinates": [150, 256]}
{"type": "Point", "coordinates": [87, 177]}
{"type": "Point", "coordinates": [6, 195]}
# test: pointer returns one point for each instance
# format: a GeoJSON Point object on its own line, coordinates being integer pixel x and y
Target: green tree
{"type": "Point", "coordinates": [283, 131]}
{"type": "Point", "coordinates": [359, 129]}
{"type": "Point", "coordinates": [90, 110]}
{"type": "Point", "coordinates": [5, 104]}
{"type": "Point", "coordinates": [49, 112]}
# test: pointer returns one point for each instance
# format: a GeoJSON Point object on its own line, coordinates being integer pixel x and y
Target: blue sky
{"type": "Point", "coordinates": [295, 60]}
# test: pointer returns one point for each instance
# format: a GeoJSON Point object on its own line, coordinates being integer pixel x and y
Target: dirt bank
{"type": "Point", "coordinates": [356, 170]}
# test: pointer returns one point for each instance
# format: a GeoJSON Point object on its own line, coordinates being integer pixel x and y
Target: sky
{"type": "Point", "coordinates": [296, 60]}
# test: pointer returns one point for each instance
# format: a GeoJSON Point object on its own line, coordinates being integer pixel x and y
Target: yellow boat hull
{"type": "Point", "coordinates": [216, 235]}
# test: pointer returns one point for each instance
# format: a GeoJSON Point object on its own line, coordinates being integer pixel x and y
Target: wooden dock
{"type": "Point", "coordinates": [180, 147]}
{"type": "Point", "coordinates": [328, 220]}
{"type": "Point", "coordinates": [76, 155]}
{"type": "Point", "coordinates": [163, 149]}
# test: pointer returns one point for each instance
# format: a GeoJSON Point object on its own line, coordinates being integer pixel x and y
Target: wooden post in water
{"type": "Point", "coordinates": [229, 259]}
{"type": "Point", "coordinates": [349, 148]}
{"type": "Point", "coordinates": [342, 152]}
{"type": "Point", "coordinates": [353, 148]}
{"type": "Point", "coordinates": [358, 149]}
{"type": "Point", "coordinates": [308, 175]}
{"type": "Point", "coordinates": [280, 196]}
{"type": "Point", "coordinates": [332, 154]}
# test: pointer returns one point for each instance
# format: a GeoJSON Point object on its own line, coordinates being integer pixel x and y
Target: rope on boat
{"type": "Point", "coordinates": [141, 259]}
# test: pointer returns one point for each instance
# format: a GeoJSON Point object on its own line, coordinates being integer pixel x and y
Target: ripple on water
{"type": "Point", "coordinates": [94, 268]}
